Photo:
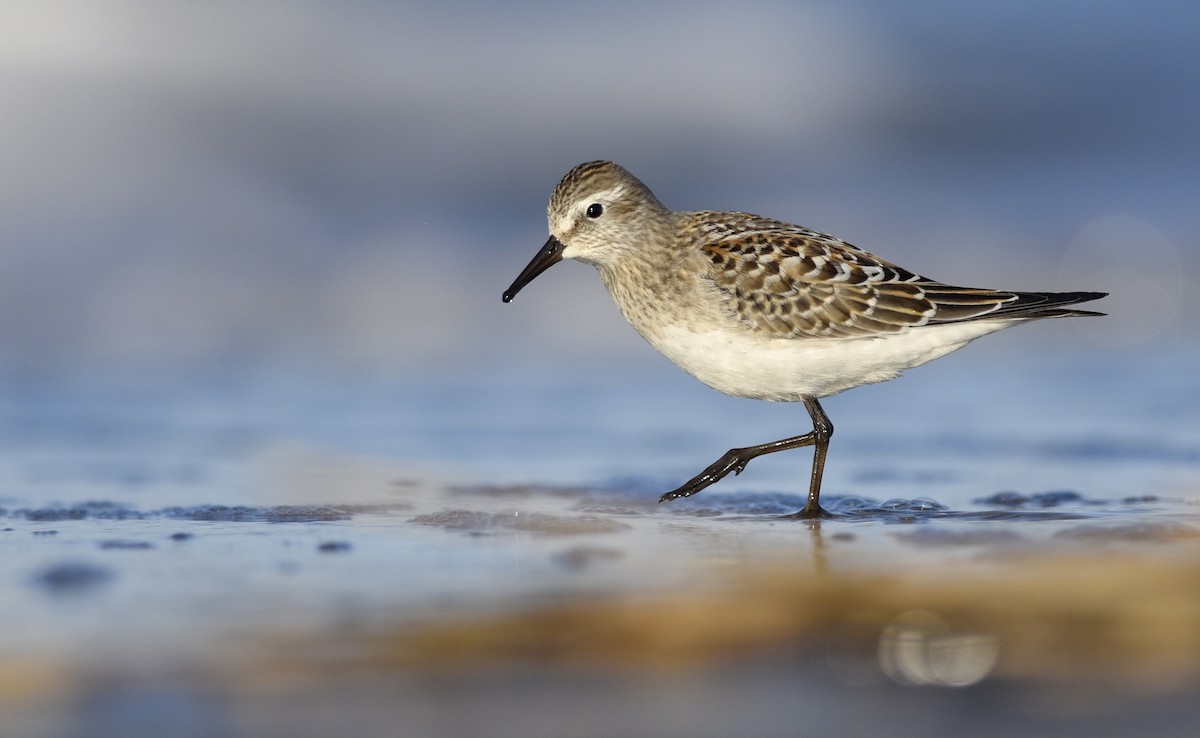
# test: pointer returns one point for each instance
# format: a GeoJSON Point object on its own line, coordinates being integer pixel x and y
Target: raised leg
{"type": "Point", "coordinates": [736, 459]}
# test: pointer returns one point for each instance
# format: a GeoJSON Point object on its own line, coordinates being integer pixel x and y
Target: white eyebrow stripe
{"type": "Point", "coordinates": [603, 196]}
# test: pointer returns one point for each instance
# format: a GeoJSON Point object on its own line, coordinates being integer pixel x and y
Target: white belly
{"type": "Point", "coordinates": [741, 364]}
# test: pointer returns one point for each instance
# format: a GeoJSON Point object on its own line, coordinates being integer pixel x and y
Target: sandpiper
{"type": "Point", "coordinates": [755, 307]}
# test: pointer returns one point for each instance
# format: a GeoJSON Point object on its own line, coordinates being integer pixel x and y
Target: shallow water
{"type": "Point", "coordinates": [235, 549]}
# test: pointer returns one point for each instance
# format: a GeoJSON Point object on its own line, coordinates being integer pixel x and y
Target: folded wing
{"type": "Point", "coordinates": [791, 282]}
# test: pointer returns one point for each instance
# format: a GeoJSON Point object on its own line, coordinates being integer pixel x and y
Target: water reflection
{"type": "Point", "coordinates": [918, 648]}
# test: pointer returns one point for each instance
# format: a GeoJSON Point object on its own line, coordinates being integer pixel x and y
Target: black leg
{"type": "Point", "coordinates": [736, 459]}
{"type": "Point", "coordinates": [822, 432]}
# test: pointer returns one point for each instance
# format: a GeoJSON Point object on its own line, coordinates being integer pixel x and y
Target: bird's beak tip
{"type": "Point", "coordinates": [546, 257]}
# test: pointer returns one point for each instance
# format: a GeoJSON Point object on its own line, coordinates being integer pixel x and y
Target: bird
{"type": "Point", "coordinates": [759, 308]}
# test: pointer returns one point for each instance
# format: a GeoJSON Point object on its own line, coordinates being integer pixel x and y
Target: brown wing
{"type": "Point", "coordinates": [792, 282]}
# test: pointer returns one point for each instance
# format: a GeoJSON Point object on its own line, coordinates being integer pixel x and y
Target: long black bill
{"type": "Point", "coordinates": [546, 257]}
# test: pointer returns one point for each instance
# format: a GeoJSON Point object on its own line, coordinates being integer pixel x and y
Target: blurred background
{"type": "Point", "coordinates": [299, 187]}
{"type": "Point", "coordinates": [251, 259]}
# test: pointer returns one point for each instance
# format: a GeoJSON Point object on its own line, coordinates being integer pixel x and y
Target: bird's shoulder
{"type": "Point", "coordinates": [744, 240]}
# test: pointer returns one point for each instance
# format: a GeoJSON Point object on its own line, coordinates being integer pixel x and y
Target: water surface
{"type": "Point", "coordinates": [989, 522]}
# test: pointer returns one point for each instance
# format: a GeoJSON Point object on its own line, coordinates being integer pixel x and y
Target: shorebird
{"type": "Point", "coordinates": [756, 307]}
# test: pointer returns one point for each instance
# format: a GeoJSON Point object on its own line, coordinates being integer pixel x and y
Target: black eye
{"type": "Point", "coordinates": [595, 210]}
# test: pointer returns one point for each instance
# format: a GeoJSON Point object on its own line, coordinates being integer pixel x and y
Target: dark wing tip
{"type": "Point", "coordinates": [957, 304]}
{"type": "Point", "coordinates": [1048, 304]}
